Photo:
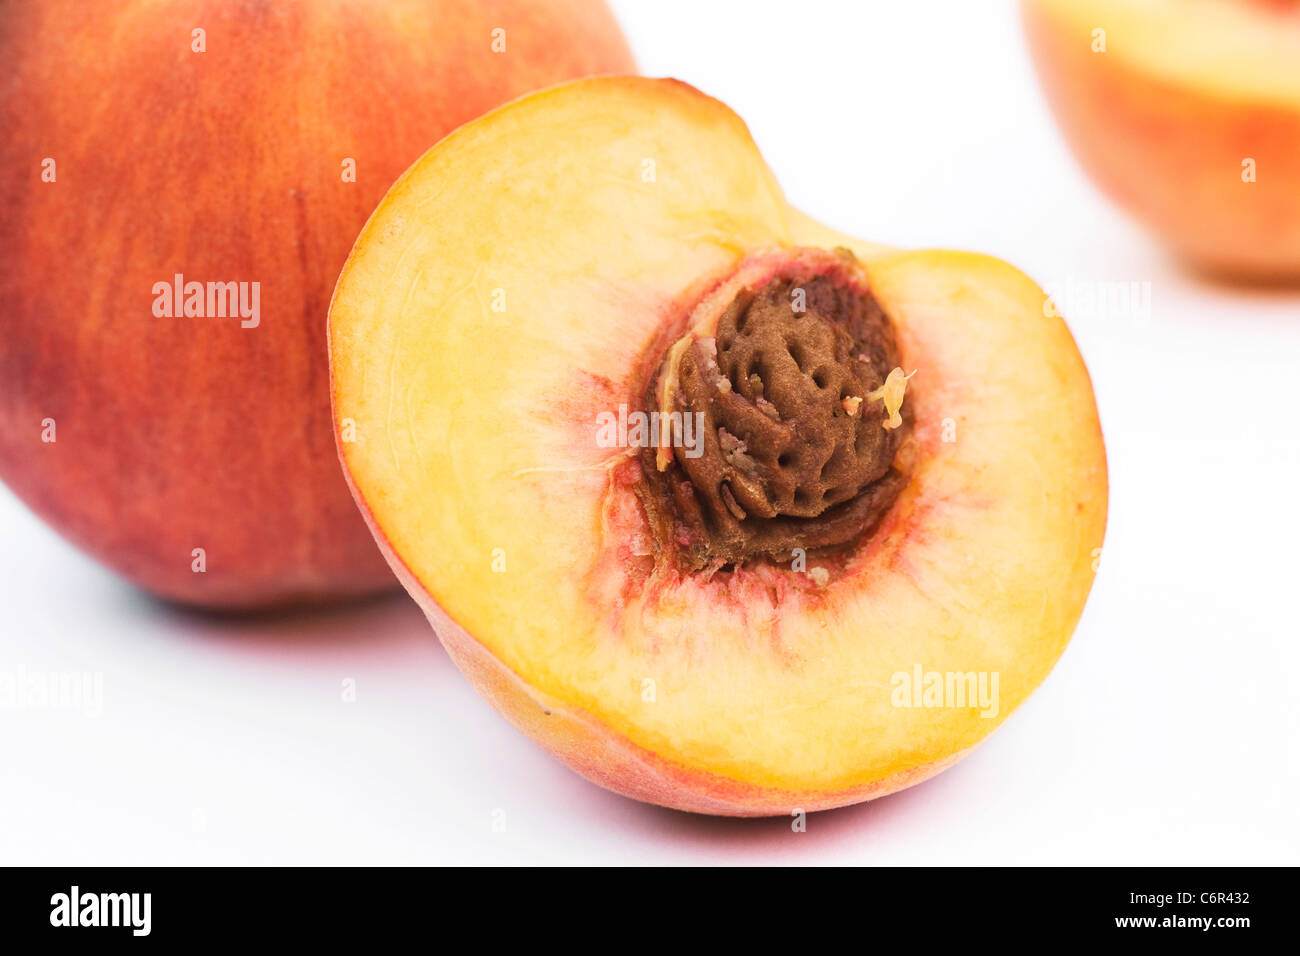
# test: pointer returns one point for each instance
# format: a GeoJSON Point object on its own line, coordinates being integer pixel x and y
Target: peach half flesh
{"type": "Point", "coordinates": [524, 277]}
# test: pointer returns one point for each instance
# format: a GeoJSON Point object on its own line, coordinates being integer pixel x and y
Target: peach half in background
{"type": "Point", "coordinates": [575, 251]}
{"type": "Point", "coordinates": [1187, 113]}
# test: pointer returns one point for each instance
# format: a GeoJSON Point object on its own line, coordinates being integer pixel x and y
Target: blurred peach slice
{"type": "Point", "coordinates": [1187, 113]}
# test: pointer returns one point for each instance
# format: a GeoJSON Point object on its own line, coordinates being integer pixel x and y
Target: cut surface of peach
{"type": "Point", "coordinates": [523, 282]}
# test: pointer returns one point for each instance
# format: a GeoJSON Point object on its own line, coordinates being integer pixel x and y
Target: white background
{"type": "Point", "coordinates": [1165, 735]}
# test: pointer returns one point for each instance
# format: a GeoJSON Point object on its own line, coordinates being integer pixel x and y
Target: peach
{"type": "Point", "coordinates": [179, 429]}
{"type": "Point", "coordinates": [1187, 112]}
{"type": "Point", "coordinates": [917, 426]}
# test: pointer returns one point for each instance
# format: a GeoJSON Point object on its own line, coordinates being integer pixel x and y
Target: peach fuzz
{"type": "Point", "coordinates": [526, 274]}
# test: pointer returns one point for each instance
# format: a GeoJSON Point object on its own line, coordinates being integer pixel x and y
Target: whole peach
{"type": "Point", "coordinates": [181, 183]}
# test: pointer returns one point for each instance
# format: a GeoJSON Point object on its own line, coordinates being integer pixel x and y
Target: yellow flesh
{"type": "Point", "coordinates": [476, 432]}
{"type": "Point", "coordinates": [1240, 49]}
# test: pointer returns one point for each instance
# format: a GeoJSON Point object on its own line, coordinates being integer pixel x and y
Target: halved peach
{"type": "Point", "coordinates": [1187, 113]}
{"type": "Point", "coordinates": [549, 266]}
